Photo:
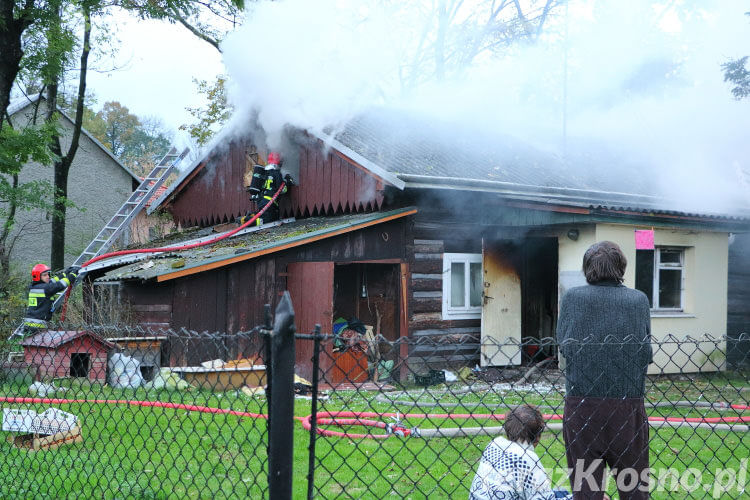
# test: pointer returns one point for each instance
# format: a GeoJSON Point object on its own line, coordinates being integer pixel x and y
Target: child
{"type": "Point", "coordinates": [509, 468]}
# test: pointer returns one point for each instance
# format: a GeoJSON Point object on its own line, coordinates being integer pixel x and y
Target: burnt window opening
{"type": "Point", "coordinates": [79, 364]}
{"type": "Point", "coordinates": [660, 275]}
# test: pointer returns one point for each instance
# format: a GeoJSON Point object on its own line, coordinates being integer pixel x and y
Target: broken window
{"type": "Point", "coordinates": [659, 274]}
{"type": "Point", "coordinates": [462, 285]}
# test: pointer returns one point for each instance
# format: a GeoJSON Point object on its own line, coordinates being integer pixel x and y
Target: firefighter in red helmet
{"type": "Point", "coordinates": [264, 186]}
{"type": "Point", "coordinates": [43, 291]}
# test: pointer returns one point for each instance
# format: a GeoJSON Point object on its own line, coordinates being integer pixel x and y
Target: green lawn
{"type": "Point", "coordinates": [137, 452]}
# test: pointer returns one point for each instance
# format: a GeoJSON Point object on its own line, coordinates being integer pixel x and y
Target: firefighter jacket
{"type": "Point", "coordinates": [271, 183]}
{"type": "Point", "coordinates": [41, 297]}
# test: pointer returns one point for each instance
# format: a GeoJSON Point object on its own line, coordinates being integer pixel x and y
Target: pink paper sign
{"type": "Point", "coordinates": [644, 239]}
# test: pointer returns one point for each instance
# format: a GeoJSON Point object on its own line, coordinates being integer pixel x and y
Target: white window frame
{"type": "Point", "coordinates": [658, 265]}
{"type": "Point", "coordinates": [467, 311]}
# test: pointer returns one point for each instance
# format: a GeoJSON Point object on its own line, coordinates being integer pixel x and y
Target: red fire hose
{"type": "Point", "coordinates": [350, 418]}
{"type": "Point", "coordinates": [172, 248]}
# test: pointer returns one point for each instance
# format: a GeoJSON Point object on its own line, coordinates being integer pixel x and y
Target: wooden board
{"type": "Point", "coordinates": [311, 286]}
{"type": "Point", "coordinates": [36, 442]}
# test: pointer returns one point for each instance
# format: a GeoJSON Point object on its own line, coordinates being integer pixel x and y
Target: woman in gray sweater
{"type": "Point", "coordinates": [604, 332]}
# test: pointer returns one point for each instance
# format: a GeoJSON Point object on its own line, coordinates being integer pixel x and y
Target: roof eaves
{"type": "Point", "coordinates": [21, 103]}
{"type": "Point", "coordinates": [360, 160]}
{"type": "Point", "coordinates": [288, 243]}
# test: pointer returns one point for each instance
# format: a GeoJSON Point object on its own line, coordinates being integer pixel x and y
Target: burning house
{"type": "Point", "coordinates": [464, 241]}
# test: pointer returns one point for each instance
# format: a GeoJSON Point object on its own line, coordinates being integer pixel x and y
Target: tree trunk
{"type": "Point", "coordinates": [62, 166]}
{"type": "Point", "coordinates": [11, 30]}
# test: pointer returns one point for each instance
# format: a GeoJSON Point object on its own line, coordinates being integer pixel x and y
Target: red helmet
{"type": "Point", "coordinates": [274, 157]}
{"type": "Point", "coordinates": [37, 270]}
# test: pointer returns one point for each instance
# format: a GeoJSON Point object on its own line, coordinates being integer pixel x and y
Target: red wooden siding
{"type": "Point", "coordinates": [54, 363]}
{"type": "Point", "coordinates": [326, 184]}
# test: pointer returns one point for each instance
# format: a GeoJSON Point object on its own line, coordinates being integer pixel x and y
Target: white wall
{"type": "Point", "coordinates": [705, 296]}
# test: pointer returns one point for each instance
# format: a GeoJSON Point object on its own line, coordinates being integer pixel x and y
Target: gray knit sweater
{"type": "Point", "coordinates": [604, 332]}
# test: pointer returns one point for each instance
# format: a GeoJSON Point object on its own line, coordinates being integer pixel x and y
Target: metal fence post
{"type": "Point", "coordinates": [313, 413]}
{"type": "Point", "coordinates": [281, 403]}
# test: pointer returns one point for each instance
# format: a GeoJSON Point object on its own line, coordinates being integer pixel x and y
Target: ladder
{"type": "Point", "coordinates": [127, 212]}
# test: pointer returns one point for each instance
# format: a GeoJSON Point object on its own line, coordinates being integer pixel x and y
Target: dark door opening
{"type": "Point", "coordinates": [366, 295]}
{"type": "Point", "coordinates": [79, 364]}
{"type": "Point", "coordinates": [538, 297]}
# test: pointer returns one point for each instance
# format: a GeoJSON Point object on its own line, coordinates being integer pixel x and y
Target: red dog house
{"type": "Point", "coordinates": [68, 354]}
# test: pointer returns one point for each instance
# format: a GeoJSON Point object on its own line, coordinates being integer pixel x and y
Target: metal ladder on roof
{"type": "Point", "coordinates": [127, 212]}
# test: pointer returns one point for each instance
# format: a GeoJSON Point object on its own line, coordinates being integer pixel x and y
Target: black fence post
{"type": "Point", "coordinates": [281, 402]}
{"type": "Point", "coordinates": [313, 413]}
{"type": "Point", "coordinates": [267, 330]}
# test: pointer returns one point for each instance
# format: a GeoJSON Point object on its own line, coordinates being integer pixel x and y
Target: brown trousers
{"type": "Point", "coordinates": [611, 432]}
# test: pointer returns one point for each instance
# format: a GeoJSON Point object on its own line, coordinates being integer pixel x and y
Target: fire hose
{"type": "Point", "coordinates": [170, 249]}
{"type": "Point", "coordinates": [360, 418]}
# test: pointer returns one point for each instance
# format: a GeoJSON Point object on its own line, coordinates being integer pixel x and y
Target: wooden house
{"type": "Point", "coordinates": [447, 235]}
{"type": "Point", "coordinates": [68, 354]}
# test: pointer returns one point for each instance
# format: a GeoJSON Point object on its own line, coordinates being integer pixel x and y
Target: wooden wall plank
{"type": "Point", "coordinates": [327, 179]}
{"type": "Point", "coordinates": [335, 183]}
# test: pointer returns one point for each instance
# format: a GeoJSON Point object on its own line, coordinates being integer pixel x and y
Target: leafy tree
{"type": "Point", "coordinates": [736, 73]}
{"type": "Point", "coordinates": [214, 115]}
{"type": "Point", "coordinates": [138, 143]}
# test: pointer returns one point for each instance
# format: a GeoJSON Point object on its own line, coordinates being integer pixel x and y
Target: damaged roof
{"type": "Point", "coordinates": [171, 265]}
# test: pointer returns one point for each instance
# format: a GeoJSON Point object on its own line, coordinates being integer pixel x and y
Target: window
{"type": "Point", "coordinates": [659, 274]}
{"type": "Point", "coordinates": [462, 285]}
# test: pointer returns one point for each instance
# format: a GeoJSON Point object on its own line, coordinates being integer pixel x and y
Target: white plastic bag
{"type": "Point", "coordinates": [124, 372]}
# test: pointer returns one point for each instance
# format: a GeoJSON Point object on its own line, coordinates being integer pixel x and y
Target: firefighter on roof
{"type": "Point", "coordinates": [42, 293]}
{"type": "Point", "coordinates": [266, 181]}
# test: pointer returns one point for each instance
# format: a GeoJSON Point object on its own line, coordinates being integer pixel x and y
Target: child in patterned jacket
{"type": "Point", "coordinates": [509, 468]}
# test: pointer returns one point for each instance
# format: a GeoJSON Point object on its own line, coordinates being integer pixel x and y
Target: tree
{"type": "Point", "coordinates": [211, 117]}
{"type": "Point", "coordinates": [736, 73]}
{"type": "Point", "coordinates": [452, 36]}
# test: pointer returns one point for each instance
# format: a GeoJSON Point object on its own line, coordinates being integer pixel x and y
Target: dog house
{"type": "Point", "coordinates": [68, 354]}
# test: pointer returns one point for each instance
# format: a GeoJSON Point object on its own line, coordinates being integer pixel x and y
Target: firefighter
{"type": "Point", "coordinates": [264, 186]}
{"type": "Point", "coordinates": [43, 291]}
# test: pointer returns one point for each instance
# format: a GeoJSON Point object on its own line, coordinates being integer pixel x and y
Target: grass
{"type": "Point", "coordinates": [137, 452]}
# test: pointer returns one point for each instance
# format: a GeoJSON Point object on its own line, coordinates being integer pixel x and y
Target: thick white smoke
{"type": "Point", "coordinates": [637, 83]}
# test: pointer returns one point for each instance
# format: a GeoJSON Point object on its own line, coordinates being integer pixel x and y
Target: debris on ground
{"type": "Point", "coordinates": [450, 376]}
{"type": "Point", "coordinates": [41, 389]}
{"type": "Point", "coordinates": [253, 391]}
{"type": "Point", "coordinates": [302, 386]}
{"type": "Point", "coordinates": [168, 379]}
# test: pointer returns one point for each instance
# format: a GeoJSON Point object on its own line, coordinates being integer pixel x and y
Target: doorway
{"type": "Point", "coordinates": [365, 306]}
{"type": "Point", "coordinates": [79, 364]}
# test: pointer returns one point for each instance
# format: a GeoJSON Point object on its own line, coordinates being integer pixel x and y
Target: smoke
{"type": "Point", "coordinates": [616, 88]}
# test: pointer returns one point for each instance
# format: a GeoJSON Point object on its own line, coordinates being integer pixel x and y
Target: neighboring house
{"type": "Point", "coordinates": [98, 184]}
{"type": "Point", "coordinates": [437, 233]}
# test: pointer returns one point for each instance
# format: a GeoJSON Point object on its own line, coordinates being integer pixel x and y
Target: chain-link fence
{"type": "Point", "coordinates": [108, 412]}
{"type": "Point", "coordinates": [390, 424]}
{"type": "Point", "coordinates": [111, 412]}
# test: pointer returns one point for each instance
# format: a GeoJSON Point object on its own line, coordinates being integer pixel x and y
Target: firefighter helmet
{"type": "Point", "coordinates": [274, 158]}
{"type": "Point", "coordinates": [37, 271]}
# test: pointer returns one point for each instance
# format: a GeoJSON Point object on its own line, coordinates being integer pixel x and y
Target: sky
{"type": "Point", "coordinates": [643, 80]}
{"type": "Point", "coordinates": [157, 63]}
